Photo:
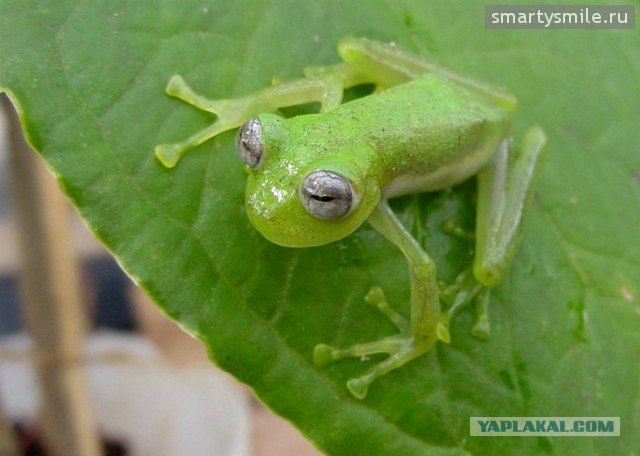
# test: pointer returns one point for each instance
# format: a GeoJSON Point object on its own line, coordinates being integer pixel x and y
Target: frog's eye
{"type": "Point", "coordinates": [249, 142]}
{"type": "Point", "coordinates": [326, 195]}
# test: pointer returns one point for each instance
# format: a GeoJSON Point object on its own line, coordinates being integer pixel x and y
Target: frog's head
{"type": "Point", "coordinates": [297, 196]}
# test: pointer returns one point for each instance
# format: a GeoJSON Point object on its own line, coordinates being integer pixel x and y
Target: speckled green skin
{"type": "Point", "coordinates": [427, 130]}
{"type": "Point", "coordinates": [409, 131]}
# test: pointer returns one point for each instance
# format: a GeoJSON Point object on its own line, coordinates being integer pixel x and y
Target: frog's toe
{"type": "Point", "coordinates": [377, 299]}
{"type": "Point", "coordinates": [452, 228]}
{"type": "Point", "coordinates": [358, 387]}
{"type": "Point", "coordinates": [323, 355]}
{"type": "Point", "coordinates": [375, 296]}
{"type": "Point", "coordinates": [481, 329]}
{"type": "Point", "coordinates": [169, 154]}
{"type": "Point", "coordinates": [443, 330]}
{"type": "Point", "coordinates": [404, 350]}
{"type": "Point", "coordinates": [177, 87]}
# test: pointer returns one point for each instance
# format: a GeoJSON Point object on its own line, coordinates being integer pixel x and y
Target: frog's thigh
{"type": "Point", "coordinates": [504, 191]}
{"type": "Point", "coordinates": [384, 64]}
{"type": "Point", "coordinates": [387, 65]}
{"type": "Point", "coordinates": [368, 61]}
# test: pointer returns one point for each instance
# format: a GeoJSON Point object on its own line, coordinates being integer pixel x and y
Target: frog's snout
{"type": "Point", "coordinates": [283, 218]}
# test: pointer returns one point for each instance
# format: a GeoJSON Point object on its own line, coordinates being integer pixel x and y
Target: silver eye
{"type": "Point", "coordinates": [249, 142]}
{"type": "Point", "coordinates": [326, 195]}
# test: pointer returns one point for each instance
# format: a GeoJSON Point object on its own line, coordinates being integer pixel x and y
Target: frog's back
{"type": "Point", "coordinates": [427, 134]}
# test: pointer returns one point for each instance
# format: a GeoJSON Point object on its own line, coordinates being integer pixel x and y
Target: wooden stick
{"type": "Point", "coordinates": [8, 444]}
{"type": "Point", "coordinates": [51, 302]}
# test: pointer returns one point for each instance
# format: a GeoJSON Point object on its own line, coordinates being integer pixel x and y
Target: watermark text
{"type": "Point", "coordinates": [560, 16]}
{"type": "Point", "coordinates": [549, 425]}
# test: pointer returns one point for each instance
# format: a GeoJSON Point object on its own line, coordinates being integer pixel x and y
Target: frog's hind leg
{"type": "Point", "coordinates": [505, 189]}
{"type": "Point", "coordinates": [376, 298]}
{"type": "Point", "coordinates": [462, 292]}
{"type": "Point", "coordinates": [456, 297]}
{"type": "Point", "coordinates": [387, 65]}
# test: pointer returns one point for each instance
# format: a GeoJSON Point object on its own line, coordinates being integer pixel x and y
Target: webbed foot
{"type": "Point", "coordinates": [401, 348]}
{"type": "Point", "coordinates": [231, 114]}
{"type": "Point", "coordinates": [465, 290]}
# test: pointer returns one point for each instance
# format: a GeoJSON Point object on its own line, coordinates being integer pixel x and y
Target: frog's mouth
{"type": "Point", "coordinates": [290, 225]}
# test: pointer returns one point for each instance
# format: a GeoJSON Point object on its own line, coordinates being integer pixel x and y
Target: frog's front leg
{"type": "Point", "coordinates": [418, 335]}
{"type": "Point", "coordinates": [232, 113]}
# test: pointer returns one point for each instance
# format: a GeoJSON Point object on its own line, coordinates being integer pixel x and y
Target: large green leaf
{"type": "Point", "coordinates": [88, 78]}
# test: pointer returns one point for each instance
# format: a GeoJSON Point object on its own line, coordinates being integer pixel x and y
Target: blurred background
{"type": "Point", "coordinates": [88, 365]}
